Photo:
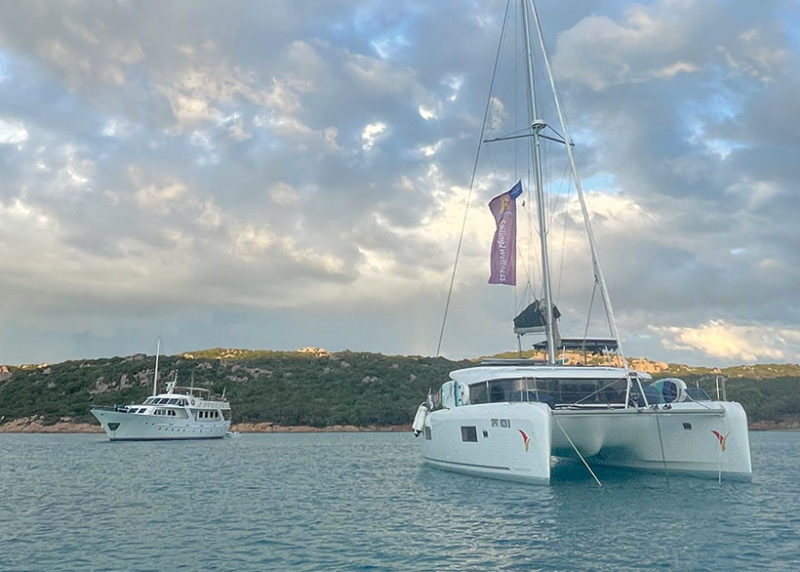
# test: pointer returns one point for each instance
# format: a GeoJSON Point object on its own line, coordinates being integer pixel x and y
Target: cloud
{"type": "Point", "coordinates": [12, 132]}
{"type": "Point", "coordinates": [294, 173]}
{"type": "Point", "coordinates": [371, 134]}
{"type": "Point", "coordinates": [735, 342]}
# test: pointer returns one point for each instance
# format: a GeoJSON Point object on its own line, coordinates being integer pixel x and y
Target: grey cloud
{"type": "Point", "coordinates": [156, 133]}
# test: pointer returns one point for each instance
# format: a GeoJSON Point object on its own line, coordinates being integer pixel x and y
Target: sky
{"type": "Point", "coordinates": [279, 174]}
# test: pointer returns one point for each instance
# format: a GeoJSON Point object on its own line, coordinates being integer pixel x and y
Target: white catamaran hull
{"type": "Point", "coordinates": [515, 441]}
{"type": "Point", "coordinates": [121, 426]}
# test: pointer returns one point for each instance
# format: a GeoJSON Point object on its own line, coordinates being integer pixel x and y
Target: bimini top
{"type": "Point", "coordinates": [477, 374]}
{"type": "Point", "coordinates": [596, 346]}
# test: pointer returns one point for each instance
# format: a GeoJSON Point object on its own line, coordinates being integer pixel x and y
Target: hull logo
{"type": "Point", "coordinates": [721, 438]}
{"type": "Point", "coordinates": [525, 439]}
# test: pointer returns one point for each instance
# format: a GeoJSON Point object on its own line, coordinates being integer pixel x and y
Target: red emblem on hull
{"type": "Point", "coordinates": [721, 438]}
{"type": "Point", "coordinates": [525, 439]}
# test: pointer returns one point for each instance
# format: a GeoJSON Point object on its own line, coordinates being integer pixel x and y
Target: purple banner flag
{"type": "Point", "coordinates": [504, 245]}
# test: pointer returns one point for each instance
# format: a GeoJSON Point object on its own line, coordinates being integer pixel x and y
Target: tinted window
{"type": "Point", "coordinates": [469, 434]}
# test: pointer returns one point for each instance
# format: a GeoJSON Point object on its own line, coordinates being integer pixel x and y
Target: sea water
{"type": "Point", "coordinates": [363, 501]}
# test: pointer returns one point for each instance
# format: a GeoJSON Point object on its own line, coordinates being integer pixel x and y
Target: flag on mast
{"type": "Point", "coordinates": [504, 244]}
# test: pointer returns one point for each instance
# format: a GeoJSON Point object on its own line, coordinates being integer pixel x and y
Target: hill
{"type": "Point", "coordinates": [312, 387]}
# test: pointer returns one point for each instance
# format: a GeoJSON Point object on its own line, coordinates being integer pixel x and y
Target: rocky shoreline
{"type": "Point", "coordinates": [36, 425]}
{"type": "Point", "coordinates": [775, 426]}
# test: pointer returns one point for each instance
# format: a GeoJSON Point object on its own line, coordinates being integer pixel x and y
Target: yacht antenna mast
{"type": "Point", "coordinates": [155, 373]}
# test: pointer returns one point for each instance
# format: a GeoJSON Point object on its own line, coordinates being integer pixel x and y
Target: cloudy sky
{"type": "Point", "coordinates": [280, 174]}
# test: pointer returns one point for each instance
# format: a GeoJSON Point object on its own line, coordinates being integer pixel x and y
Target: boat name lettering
{"type": "Point", "coordinates": [505, 423]}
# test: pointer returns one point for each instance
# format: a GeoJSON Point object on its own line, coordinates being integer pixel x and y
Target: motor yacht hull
{"type": "Point", "coordinates": [122, 426]}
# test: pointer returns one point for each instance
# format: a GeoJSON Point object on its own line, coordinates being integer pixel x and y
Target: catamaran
{"type": "Point", "coordinates": [514, 419]}
{"type": "Point", "coordinates": [177, 413]}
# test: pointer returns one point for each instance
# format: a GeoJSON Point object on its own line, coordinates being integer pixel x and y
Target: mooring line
{"type": "Point", "coordinates": [599, 484]}
{"type": "Point", "coordinates": [661, 443]}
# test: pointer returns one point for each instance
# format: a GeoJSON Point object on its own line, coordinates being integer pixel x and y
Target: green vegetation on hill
{"type": "Point", "coordinates": [321, 389]}
{"type": "Point", "coordinates": [285, 388]}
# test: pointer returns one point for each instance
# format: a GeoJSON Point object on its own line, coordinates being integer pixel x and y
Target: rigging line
{"type": "Point", "coordinates": [598, 272]}
{"type": "Point", "coordinates": [661, 442]}
{"type": "Point", "coordinates": [597, 391]}
{"type": "Point", "coordinates": [599, 484]}
{"type": "Point", "coordinates": [563, 248]}
{"type": "Point", "coordinates": [471, 184]}
{"type": "Point", "coordinates": [589, 313]}
{"type": "Point", "coordinates": [719, 470]}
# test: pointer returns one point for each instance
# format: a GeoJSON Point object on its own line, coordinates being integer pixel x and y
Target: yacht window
{"type": "Point", "coordinates": [499, 390]}
{"type": "Point", "coordinates": [427, 433]}
{"type": "Point", "coordinates": [173, 401]}
{"type": "Point", "coordinates": [479, 393]}
{"type": "Point", "coordinates": [469, 433]}
{"type": "Point", "coordinates": [697, 394]}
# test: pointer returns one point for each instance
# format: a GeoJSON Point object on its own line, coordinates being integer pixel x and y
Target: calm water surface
{"type": "Point", "coordinates": [363, 502]}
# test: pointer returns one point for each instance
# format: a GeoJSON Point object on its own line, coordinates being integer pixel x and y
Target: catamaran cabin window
{"type": "Point", "coordinates": [469, 433]}
{"type": "Point", "coordinates": [550, 391]}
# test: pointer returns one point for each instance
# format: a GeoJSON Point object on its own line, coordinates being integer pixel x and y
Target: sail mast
{"type": "Point", "coordinates": [598, 272]}
{"type": "Point", "coordinates": [536, 126]}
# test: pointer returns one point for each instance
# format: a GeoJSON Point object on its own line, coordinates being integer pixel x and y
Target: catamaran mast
{"type": "Point", "coordinates": [536, 126]}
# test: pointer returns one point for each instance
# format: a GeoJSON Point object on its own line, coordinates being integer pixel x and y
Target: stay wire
{"type": "Point", "coordinates": [472, 182]}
